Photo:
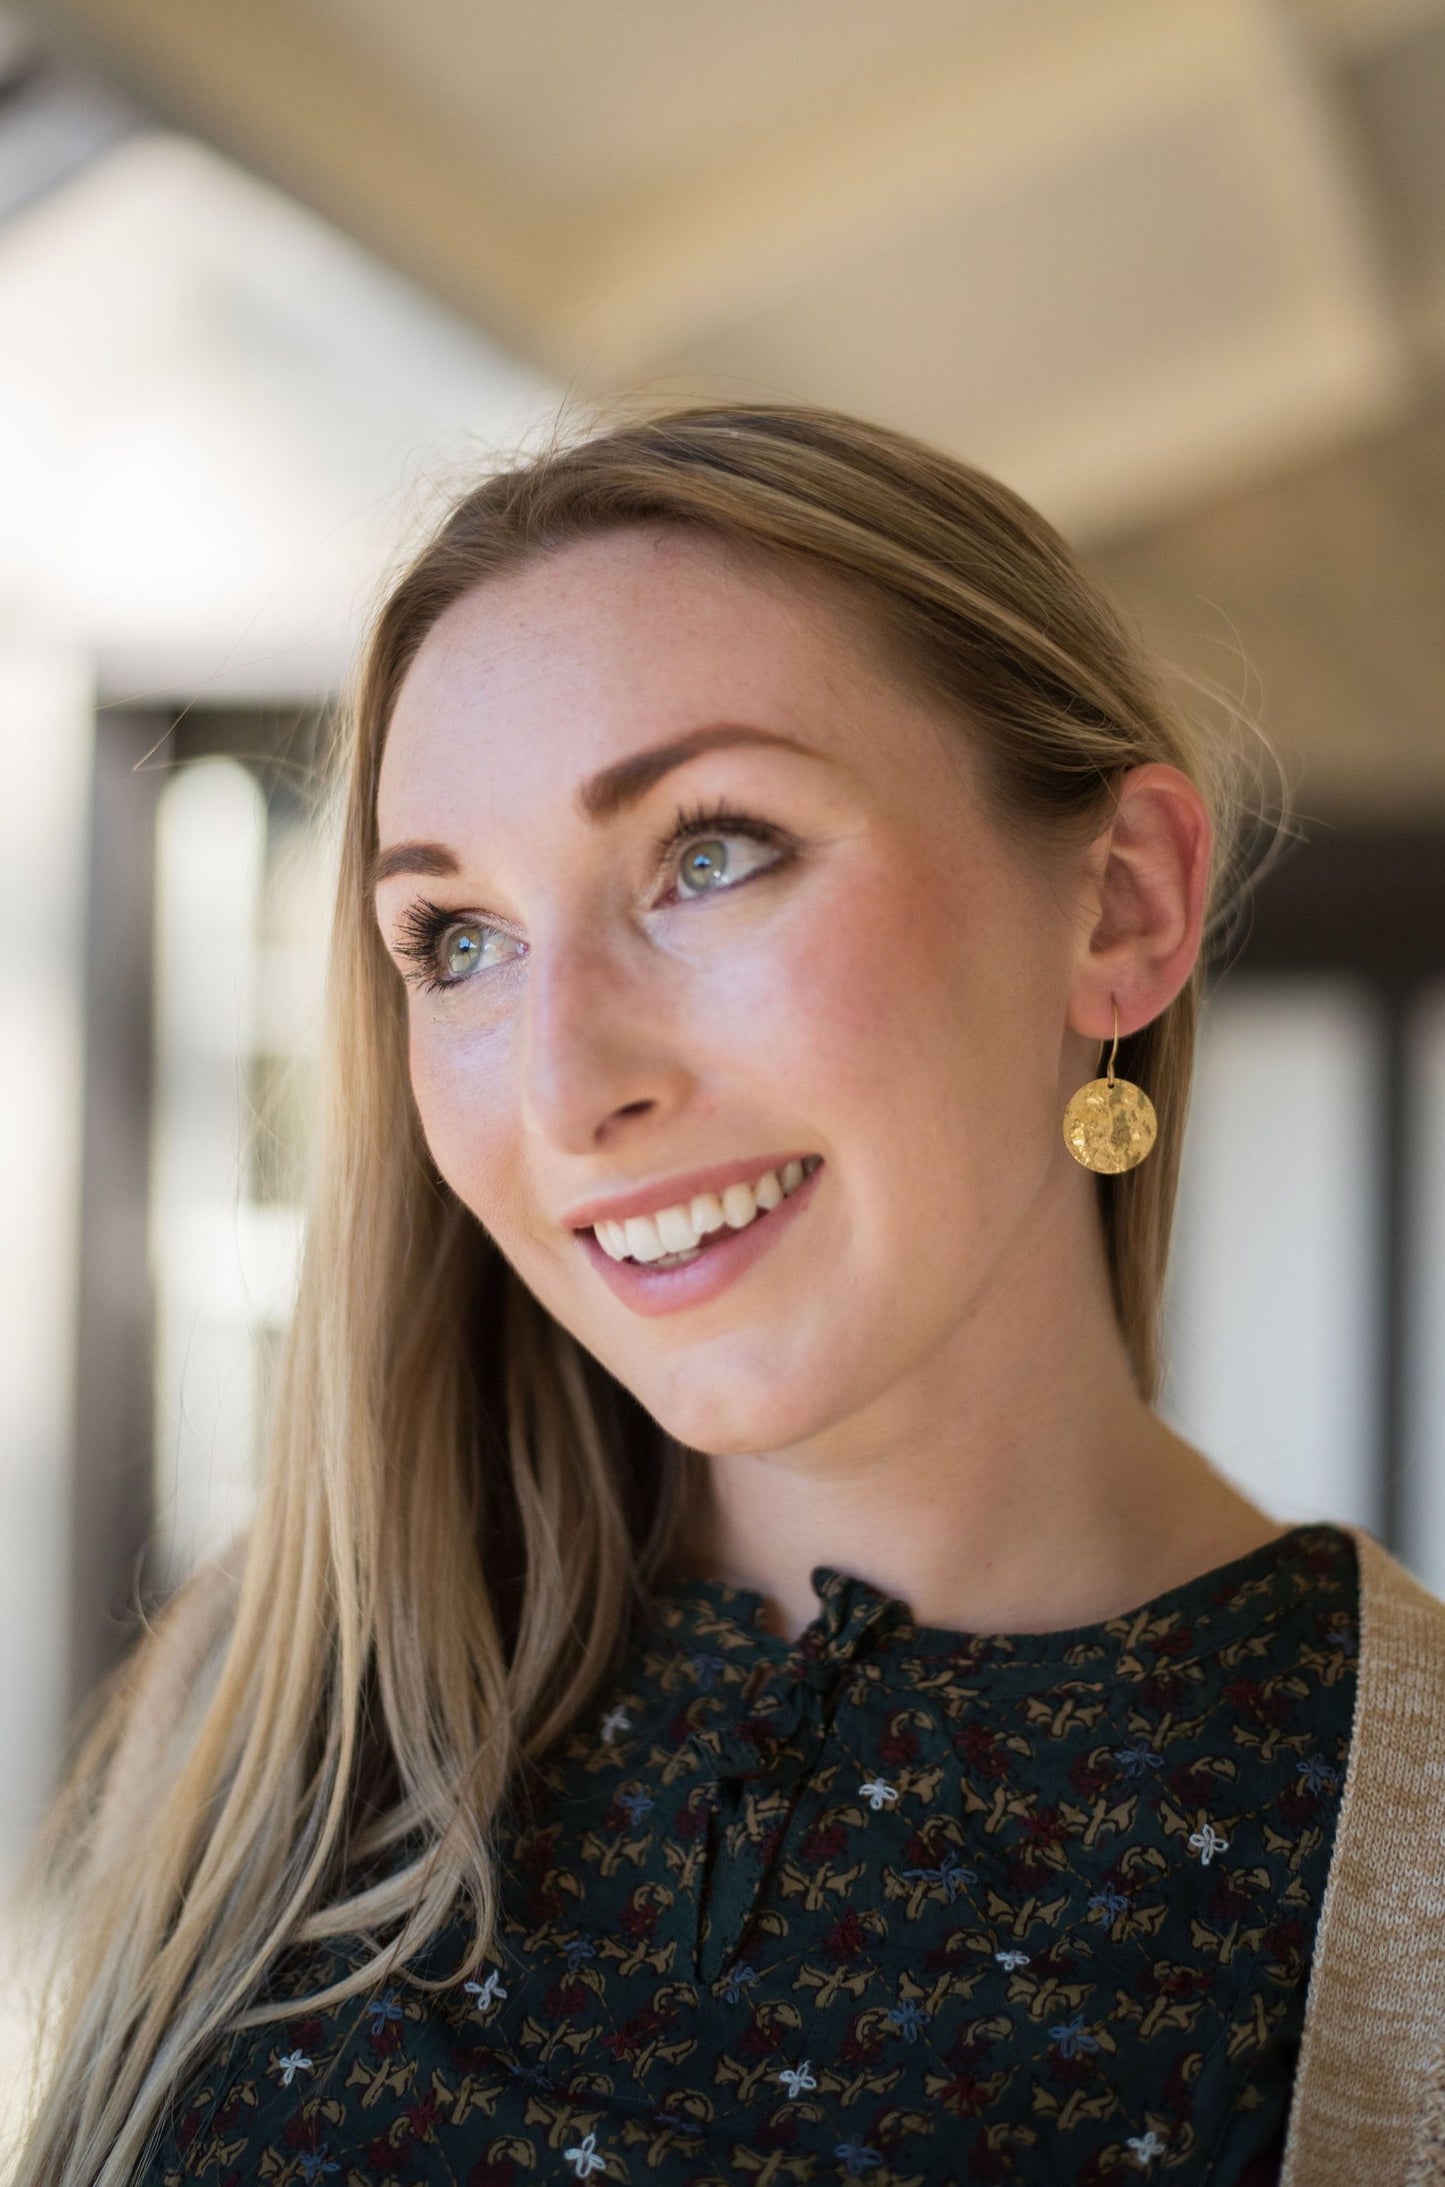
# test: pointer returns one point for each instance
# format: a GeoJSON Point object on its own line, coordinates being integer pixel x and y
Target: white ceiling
{"type": "Point", "coordinates": [597, 109]}
{"type": "Point", "coordinates": [1127, 253]}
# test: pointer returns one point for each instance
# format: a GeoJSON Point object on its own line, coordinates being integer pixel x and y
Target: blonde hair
{"type": "Point", "coordinates": [460, 1504]}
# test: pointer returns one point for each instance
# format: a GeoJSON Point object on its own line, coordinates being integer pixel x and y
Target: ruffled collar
{"type": "Point", "coordinates": [855, 1618]}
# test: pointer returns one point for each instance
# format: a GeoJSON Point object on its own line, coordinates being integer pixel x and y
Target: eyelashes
{"type": "Point", "coordinates": [716, 817]}
{"type": "Point", "coordinates": [424, 926]}
{"type": "Point", "coordinates": [419, 934]}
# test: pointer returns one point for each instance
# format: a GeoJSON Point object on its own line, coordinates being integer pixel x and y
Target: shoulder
{"type": "Point", "coordinates": [175, 1665]}
{"type": "Point", "coordinates": [1367, 2081]}
{"type": "Point", "coordinates": [1392, 1593]}
{"type": "Point", "coordinates": [1396, 1772]}
{"type": "Point", "coordinates": [1390, 1850]}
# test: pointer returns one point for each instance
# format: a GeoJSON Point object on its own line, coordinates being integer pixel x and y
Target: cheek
{"type": "Point", "coordinates": [917, 1026]}
{"type": "Point", "coordinates": [869, 1008]}
{"type": "Point", "coordinates": [458, 1083]}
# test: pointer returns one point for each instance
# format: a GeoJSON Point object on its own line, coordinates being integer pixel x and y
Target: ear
{"type": "Point", "coordinates": [1148, 874]}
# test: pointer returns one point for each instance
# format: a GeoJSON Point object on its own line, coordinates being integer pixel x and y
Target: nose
{"type": "Point", "coordinates": [600, 1038]}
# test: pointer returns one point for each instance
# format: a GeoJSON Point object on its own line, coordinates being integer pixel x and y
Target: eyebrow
{"type": "Point", "coordinates": [612, 791]}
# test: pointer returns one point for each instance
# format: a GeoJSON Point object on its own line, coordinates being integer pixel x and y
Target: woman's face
{"type": "Point", "coordinates": [847, 968]}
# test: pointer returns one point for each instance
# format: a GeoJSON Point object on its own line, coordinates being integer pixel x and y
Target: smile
{"type": "Point", "coordinates": [725, 1233]}
{"type": "Point", "coordinates": [676, 1234]}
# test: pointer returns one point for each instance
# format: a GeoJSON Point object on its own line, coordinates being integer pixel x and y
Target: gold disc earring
{"type": "Point", "coordinates": [1110, 1125]}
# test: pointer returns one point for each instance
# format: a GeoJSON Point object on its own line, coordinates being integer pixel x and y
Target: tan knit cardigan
{"type": "Point", "coordinates": [1368, 2108]}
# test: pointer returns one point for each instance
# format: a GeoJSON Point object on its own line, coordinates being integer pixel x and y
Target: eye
{"type": "Point", "coordinates": [701, 832]}
{"type": "Point", "coordinates": [461, 950]}
{"type": "Point", "coordinates": [444, 950]}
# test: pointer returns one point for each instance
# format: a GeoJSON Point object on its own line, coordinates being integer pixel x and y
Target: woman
{"type": "Point", "coordinates": [730, 1677]}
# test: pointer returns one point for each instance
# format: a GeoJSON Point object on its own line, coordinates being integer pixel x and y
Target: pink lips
{"type": "Point", "coordinates": [677, 1190]}
{"type": "Point", "coordinates": [654, 1290]}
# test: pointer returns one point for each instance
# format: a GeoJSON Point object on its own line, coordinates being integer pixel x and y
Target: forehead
{"type": "Point", "coordinates": [540, 676]}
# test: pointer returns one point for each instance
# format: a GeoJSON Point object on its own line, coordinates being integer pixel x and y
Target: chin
{"type": "Point", "coordinates": [722, 1424]}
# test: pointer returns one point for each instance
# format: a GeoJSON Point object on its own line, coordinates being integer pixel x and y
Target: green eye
{"type": "Point", "coordinates": [461, 949]}
{"type": "Point", "coordinates": [705, 865]}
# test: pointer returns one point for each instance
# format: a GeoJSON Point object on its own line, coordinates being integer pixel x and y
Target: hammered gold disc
{"type": "Point", "coordinates": [1110, 1128]}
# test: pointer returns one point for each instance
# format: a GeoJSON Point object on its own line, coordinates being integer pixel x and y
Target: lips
{"type": "Point", "coordinates": [676, 1190]}
{"type": "Point", "coordinates": [651, 1289]}
{"type": "Point", "coordinates": [658, 1239]}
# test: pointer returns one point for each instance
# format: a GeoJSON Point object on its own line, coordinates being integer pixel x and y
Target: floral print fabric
{"type": "Point", "coordinates": [886, 1904]}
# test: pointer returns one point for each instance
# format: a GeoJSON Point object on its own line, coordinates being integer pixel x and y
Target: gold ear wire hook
{"type": "Point", "coordinates": [1115, 1049]}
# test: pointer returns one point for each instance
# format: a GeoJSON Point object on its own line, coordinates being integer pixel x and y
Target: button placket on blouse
{"type": "Point", "coordinates": [766, 1760]}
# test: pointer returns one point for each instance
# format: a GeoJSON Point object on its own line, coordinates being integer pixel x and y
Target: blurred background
{"type": "Point", "coordinates": [275, 275]}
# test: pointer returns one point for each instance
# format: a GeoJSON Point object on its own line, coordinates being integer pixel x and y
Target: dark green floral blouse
{"type": "Point", "coordinates": [886, 1904]}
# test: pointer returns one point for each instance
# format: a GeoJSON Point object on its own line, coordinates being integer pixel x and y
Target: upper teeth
{"type": "Point", "coordinates": [678, 1229]}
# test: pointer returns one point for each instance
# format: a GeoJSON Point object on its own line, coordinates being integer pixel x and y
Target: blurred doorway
{"type": "Point", "coordinates": [1307, 1296]}
{"type": "Point", "coordinates": [208, 923]}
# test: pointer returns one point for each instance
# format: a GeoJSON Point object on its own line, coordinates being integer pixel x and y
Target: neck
{"type": "Point", "coordinates": [1016, 1482]}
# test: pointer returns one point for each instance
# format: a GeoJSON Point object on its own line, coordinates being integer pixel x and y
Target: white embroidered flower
{"type": "Point", "coordinates": [486, 1994]}
{"type": "Point", "coordinates": [796, 2078]}
{"type": "Point", "coordinates": [294, 2062]}
{"type": "Point", "coordinates": [613, 1722]}
{"type": "Point", "coordinates": [584, 2158]}
{"type": "Point", "coordinates": [1012, 1961]}
{"type": "Point", "coordinates": [1206, 1842]}
{"type": "Point", "coordinates": [878, 1793]}
{"type": "Point", "coordinates": [1146, 2148]}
